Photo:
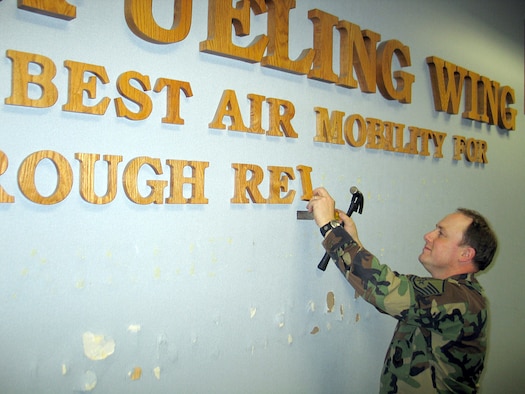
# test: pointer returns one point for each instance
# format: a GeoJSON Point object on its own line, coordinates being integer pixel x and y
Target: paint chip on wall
{"type": "Point", "coordinates": [88, 382]}
{"type": "Point", "coordinates": [156, 372]}
{"type": "Point", "coordinates": [279, 319]}
{"type": "Point", "coordinates": [134, 328]}
{"type": "Point", "coordinates": [97, 347]}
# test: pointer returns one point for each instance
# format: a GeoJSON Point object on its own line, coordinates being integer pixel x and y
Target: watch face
{"type": "Point", "coordinates": [334, 223]}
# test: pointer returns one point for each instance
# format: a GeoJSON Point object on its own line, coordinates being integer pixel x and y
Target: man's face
{"type": "Point", "coordinates": [443, 249]}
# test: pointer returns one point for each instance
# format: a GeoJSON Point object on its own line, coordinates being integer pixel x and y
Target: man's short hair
{"type": "Point", "coordinates": [480, 236]}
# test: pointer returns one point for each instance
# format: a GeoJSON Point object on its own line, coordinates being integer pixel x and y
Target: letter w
{"type": "Point", "coordinates": [447, 84]}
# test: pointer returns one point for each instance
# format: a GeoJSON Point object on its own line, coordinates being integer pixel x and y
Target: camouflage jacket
{"type": "Point", "coordinates": [440, 340]}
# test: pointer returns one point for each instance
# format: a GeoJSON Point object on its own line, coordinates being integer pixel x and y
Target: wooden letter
{"type": "Point", "coordinates": [459, 146]}
{"type": "Point", "coordinates": [385, 54]}
{"type": "Point", "coordinates": [425, 136]}
{"type": "Point", "coordinates": [481, 154]}
{"type": "Point", "coordinates": [26, 177]}
{"type": "Point", "coordinates": [279, 184]}
{"type": "Point", "coordinates": [306, 181]}
{"type": "Point", "coordinates": [375, 130]}
{"type": "Point", "coordinates": [489, 101]}
{"type": "Point", "coordinates": [391, 142]}
{"type": "Point", "coordinates": [324, 23]}
{"type": "Point", "coordinates": [139, 17]}
{"type": "Point", "coordinates": [256, 113]}
{"type": "Point", "coordinates": [221, 17]}
{"type": "Point", "coordinates": [358, 51]}
{"type": "Point", "coordinates": [87, 177]}
{"type": "Point", "coordinates": [329, 130]}
{"type": "Point", "coordinates": [77, 88]}
{"type": "Point", "coordinates": [173, 89]}
{"type": "Point", "coordinates": [438, 138]}
{"type": "Point", "coordinates": [56, 8]}
{"type": "Point", "coordinates": [507, 117]}
{"type": "Point", "coordinates": [361, 131]}
{"type": "Point", "coordinates": [229, 106]}
{"type": "Point", "coordinates": [475, 91]}
{"type": "Point", "coordinates": [130, 177]}
{"type": "Point", "coordinates": [447, 84]}
{"type": "Point", "coordinates": [278, 31]}
{"type": "Point", "coordinates": [177, 181]}
{"type": "Point", "coordinates": [411, 146]}
{"type": "Point", "coordinates": [250, 186]}
{"type": "Point", "coordinates": [4, 196]}
{"type": "Point", "coordinates": [137, 96]}
{"type": "Point", "coordinates": [21, 80]}
{"type": "Point", "coordinates": [281, 115]}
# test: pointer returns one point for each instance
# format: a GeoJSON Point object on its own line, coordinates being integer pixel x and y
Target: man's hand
{"type": "Point", "coordinates": [322, 205]}
{"type": "Point", "coordinates": [349, 226]}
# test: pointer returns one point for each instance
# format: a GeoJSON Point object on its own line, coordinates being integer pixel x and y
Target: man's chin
{"type": "Point", "coordinates": [424, 264]}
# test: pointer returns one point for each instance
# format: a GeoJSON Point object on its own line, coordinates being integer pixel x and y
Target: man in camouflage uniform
{"type": "Point", "coordinates": [440, 340]}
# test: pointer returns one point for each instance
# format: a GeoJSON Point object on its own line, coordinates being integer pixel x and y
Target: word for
{"type": "Point", "coordinates": [472, 150]}
{"type": "Point", "coordinates": [185, 183]}
{"type": "Point", "coordinates": [376, 134]}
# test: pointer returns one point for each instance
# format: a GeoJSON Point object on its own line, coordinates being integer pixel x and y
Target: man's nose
{"type": "Point", "coordinates": [429, 236]}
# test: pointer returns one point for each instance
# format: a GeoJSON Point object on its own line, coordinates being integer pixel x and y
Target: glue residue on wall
{"type": "Point", "coordinates": [330, 301]}
{"type": "Point", "coordinates": [315, 330]}
{"type": "Point", "coordinates": [135, 373]}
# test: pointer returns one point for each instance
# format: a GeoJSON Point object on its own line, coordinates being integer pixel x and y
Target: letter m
{"type": "Point", "coordinates": [329, 130]}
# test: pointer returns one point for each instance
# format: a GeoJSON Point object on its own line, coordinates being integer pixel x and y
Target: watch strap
{"type": "Point", "coordinates": [329, 226]}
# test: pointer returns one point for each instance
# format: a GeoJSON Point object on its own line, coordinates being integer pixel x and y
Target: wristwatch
{"type": "Point", "coordinates": [329, 226]}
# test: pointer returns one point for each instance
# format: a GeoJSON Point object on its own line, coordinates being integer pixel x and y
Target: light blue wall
{"type": "Point", "coordinates": [223, 297]}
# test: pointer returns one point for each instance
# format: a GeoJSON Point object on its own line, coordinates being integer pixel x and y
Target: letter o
{"type": "Point", "coordinates": [471, 150]}
{"type": "Point", "coordinates": [26, 177]}
{"type": "Point", "coordinates": [361, 130]}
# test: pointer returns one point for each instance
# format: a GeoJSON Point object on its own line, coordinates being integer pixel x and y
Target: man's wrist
{"type": "Point", "coordinates": [325, 229]}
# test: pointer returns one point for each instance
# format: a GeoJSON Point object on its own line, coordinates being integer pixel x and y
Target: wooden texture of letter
{"type": "Point", "coordinates": [139, 17]}
{"type": "Point", "coordinates": [56, 8]}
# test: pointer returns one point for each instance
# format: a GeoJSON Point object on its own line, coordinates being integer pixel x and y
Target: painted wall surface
{"type": "Point", "coordinates": [223, 297]}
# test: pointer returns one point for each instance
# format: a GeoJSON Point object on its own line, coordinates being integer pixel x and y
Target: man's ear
{"type": "Point", "coordinates": [468, 253]}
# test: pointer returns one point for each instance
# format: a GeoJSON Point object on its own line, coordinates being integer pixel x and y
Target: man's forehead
{"type": "Point", "coordinates": [455, 220]}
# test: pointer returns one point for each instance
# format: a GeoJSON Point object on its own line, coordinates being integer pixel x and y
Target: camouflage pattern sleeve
{"type": "Point", "coordinates": [374, 282]}
{"type": "Point", "coordinates": [405, 297]}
